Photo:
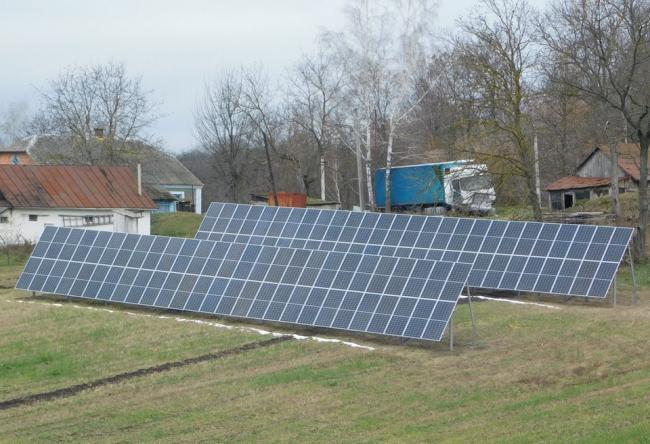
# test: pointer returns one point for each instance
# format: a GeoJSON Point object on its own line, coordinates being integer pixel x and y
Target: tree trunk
{"type": "Point", "coordinates": [389, 160]}
{"type": "Point", "coordinates": [322, 175]}
{"type": "Point", "coordinates": [271, 178]}
{"type": "Point", "coordinates": [371, 194]}
{"type": "Point", "coordinates": [362, 204]}
{"type": "Point", "coordinates": [531, 182]}
{"type": "Point", "coordinates": [538, 187]}
{"type": "Point", "coordinates": [337, 190]}
{"type": "Point", "coordinates": [533, 200]}
{"type": "Point", "coordinates": [644, 141]}
{"type": "Point", "coordinates": [527, 156]}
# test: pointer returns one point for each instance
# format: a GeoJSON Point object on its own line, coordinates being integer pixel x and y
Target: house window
{"type": "Point", "coordinates": [87, 221]}
{"type": "Point", "coordinates": [556, 201]}
{"type": "Point", "coordinates": [4, 220]}
{"type": "Point", "coordinates": [33, 217]}
{"type": "Point", "coordinates": [583, 195]}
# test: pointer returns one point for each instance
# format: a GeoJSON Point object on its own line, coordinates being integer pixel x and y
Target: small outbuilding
{"type": "Point", "coordinates": [106, 198]}
{"type": "Point", "coordinates": [593, 178]}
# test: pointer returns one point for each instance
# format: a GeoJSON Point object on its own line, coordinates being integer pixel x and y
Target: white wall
{"type": "Point", "coordinates": [19, 228]}
{"type": "Point", "coordinates": [198, 196]}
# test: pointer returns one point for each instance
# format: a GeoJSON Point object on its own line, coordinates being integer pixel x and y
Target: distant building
{"type": "Point", "coordinates": [100, 198]}
{"type": "Point", "coordinates": [169, 183]}
{"type": "Point", "coordinates": [17, 153]}
{"type": "Point", "coordinates": [593, 178]}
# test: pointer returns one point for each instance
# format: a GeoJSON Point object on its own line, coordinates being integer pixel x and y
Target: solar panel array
{"type": "Point", "coordinates": [404, 297]}
{"type": "Point", "coordinates": [564, 259]}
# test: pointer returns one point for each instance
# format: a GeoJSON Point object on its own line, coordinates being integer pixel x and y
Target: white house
{"type": "Point", "coordinates": [96, 197]}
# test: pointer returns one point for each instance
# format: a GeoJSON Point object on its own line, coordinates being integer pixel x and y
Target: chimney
{"type": "Point", "coordinates": [99, 133]}
{"type": "Point", "coordinates": [139, 180]}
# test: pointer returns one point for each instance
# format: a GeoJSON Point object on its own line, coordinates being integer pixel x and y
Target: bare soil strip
{"type": "Point", "coordinates": [120, 377]}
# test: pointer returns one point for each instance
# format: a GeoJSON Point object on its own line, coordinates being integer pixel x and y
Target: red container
{"type": "Point", "coordinates": [298, 200]}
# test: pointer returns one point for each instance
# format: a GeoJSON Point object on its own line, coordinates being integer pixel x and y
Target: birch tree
{"type": "Point", "coordinates": [361, 50]}
{"type": "Point", "coordinates": [413, 24]}
{"type": "Point", "coordinates": [380, 49]}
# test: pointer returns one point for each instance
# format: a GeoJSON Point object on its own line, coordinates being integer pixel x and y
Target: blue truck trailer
{"type": "Point", "coordinates": [459, 185]}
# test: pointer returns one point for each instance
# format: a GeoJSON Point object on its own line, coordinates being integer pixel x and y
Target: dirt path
{"type": "Point", "coordinates": [120, 377]}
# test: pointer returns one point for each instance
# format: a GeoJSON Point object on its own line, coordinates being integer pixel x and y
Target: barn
{"type": "Point", "coordinates": [593, 178]}
{"type": "Point", "coordinates": [106, 198]}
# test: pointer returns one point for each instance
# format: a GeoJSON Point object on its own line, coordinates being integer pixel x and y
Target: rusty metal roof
{"type": "Point", "coordinates": [78, 186]}
{"type": "Point", "coordinates": [576, 182]}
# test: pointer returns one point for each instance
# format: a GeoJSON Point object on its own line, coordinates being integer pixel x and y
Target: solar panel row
{"type": "Point", "coordinates": [404, 297]}
{"type": "Point", "coordinates": [550, 258]}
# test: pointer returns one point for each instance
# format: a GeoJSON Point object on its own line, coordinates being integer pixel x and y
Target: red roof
{"type": "Point", "coordinates": [79, 186]}
{"type": "Point", "coordinates": [575, 182]}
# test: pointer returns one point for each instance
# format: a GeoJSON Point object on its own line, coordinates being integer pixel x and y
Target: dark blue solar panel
{"type": "Point", "coordinates": [341, 290]}
{"type": "Point", "coordinates": [436, 238]}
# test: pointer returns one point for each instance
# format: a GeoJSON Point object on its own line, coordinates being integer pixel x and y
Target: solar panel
{"type": "Point", "coordinates": [404, 297]}
{"type": "Point", "coordinates": [565, 259]}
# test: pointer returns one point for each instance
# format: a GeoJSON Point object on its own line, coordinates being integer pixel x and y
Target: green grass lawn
{"type": "Point", "coordinates": [577, 374]}
{"type": "Point", "coordinates": [179, 224]}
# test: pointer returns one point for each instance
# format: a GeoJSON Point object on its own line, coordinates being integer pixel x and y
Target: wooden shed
{"type": "Point", "coordinates": [593, 178]}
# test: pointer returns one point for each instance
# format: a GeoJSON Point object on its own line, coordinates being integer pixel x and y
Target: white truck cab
{"type": "Point", "coordinates": [468, 187]}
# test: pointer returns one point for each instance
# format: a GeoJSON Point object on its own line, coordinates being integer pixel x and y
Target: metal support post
{"type": "Point", "coordinates": [450, 330]}
{"type": "Point", "coordinates": [634, 285]}
{"type": "Point", "coordinates": [614, 291]}
{"type": "Point", "coordinates": [471, 313]}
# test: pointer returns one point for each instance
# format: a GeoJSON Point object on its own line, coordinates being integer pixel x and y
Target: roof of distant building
{"type": "Point", "coordinates": [158, 167]}
{"type": "Point", "coordinates": [80, 186]}
{"type": "Point", "coordinates": [575, 182]}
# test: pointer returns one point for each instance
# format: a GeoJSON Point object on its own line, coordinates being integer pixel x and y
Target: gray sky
{"type": "Point", "coordinates": [174, 45]}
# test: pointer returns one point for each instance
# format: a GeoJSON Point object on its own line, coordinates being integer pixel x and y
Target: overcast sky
{"type": "Point", "coordinates": [175, 45]}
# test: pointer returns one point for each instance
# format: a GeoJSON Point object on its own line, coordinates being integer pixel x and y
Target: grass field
{"type": "Point", "coordinates": [175, 224]}
{"type": "Point", "coordinates": [580, 373]}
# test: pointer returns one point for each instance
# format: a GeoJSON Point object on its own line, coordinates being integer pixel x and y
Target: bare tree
{"type": "Point", "coordinates": [413, 32]}
{"type": "Point", "coordinates": [314, 94]}
{"type": "Point", "coordinates": [380, 50]}
{"type": "Point", "coordinates": [224, 131]}
{"type": "Point", "coordinates": [83, 99]}
{"type": "Point", "coordinates": [13, 123]}
{"type": "Point", "coordinates": [259, 106]}
{"type": "Point", "coordinates": [497, 50]}
{"type": "Point", "coordinates": [607, 42]}
{"type": "Point", "coordinates": [361, 49]}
